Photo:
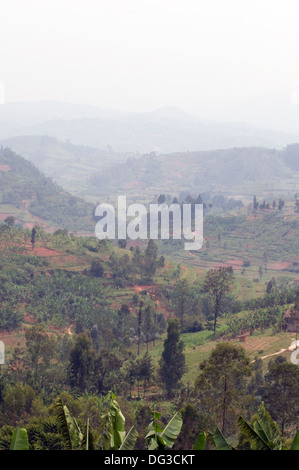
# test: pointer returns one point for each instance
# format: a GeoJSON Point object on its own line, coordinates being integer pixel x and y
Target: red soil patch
{"type": "Point", "coordinates": [3, 216]}
{"type": "Point", "coordinates": [279, 266]}
{"type": "Point", "coordinates": [133, 185]}
{"type": "Point", "coordinates": [237, 262]}
{"type": "Point", "coordinates": [5, 168]}
{"type": "Point", "coordinates": [29, 319]}
{"type": "Point", "coordinates": [47, 252]}
{"type": "Point", "coordinates": [138, 288]}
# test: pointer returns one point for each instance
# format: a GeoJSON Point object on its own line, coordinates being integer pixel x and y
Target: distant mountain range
{"type": "Point", "coordinates": [164, 131]}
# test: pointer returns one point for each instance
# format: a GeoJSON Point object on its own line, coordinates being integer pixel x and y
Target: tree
{"type": "Point", "coordinates": [10, 221]}
{"type": "Point", "coordinates": [137, 259]}
{"type": "Point", "coordinates": [221, 385]}
{"type": "Point", "coordinates": [40, 350]}
{"type": "Point", "coordinates": [271, 286]}
{"type": "Point", "coordinates": [148, 325]}
{"type": "Point", "coordinates": [33, 237]}
{"type": "Point", "coordinates": [180, 300]}
{"type": "Point", "coordinates": [96, 268]}
{"type": "Point", "coordinates": [143, 371]}
{"type": "Point", "coordinates": [161, 199]}
{"type": "Point", "coordinates": [281, 204]}
{"type": "Point", "coordinates": [260, 271]}
{"type": "Point", "coordinates": [281, 393]}
{"type": "Point", "coordinates": [172, 362]}
{"type": "Point", "coordinates": [106, 371]}
{"type": "Point", "coordinates": [123, 314]}
{"type": "Point", "coordinates": [80, 362]}
{"type": "Point", "coordinates": [161, 262]}
{"type": "Point", "coordinates": [150, 259]}
{"type": "Point", "coordinates": [17, 402]}
{"type": "Point", "coordinates": [122, 243]}
{"type": "Point", "coordinates": [139, 323]}
{"type": "Point", "coordinates": [218, 283]}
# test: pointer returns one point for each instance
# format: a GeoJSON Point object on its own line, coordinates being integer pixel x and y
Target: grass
{"type": "Point", "coordinates": [198, 347]}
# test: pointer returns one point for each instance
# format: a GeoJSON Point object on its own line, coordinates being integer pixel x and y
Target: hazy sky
{"type": "Point", "coordinates": [214, 58]}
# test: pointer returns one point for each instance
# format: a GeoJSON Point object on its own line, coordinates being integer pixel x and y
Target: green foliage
{"type": "Point", "coordinates": [73, 437]}
{"type": "Point", "coordinates": [158, 438]}
{"type": "Point", "coordinates": [19, 440]}
{"type": "Point", "coordinates": [264, 434]}
{"type": "Point", "coordinates": [220, 386]}
{"type": "Point", "coordinates": [218, 283]}
{"type": "Point", "coordinates": [200, 443]}
{"type": "Point", "coordinates": [220, 441]}
{"type": "Point", "coordinates": [172, 363]}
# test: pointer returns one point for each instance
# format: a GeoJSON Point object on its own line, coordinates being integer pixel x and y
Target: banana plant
{"type": "Point", "coordinates": [73, 437]}
{"type": "Point", "coordinates": [19, 440]}
{"type": "Point", "coordinates": [129, 440]}
{"type": "Point", "coordinates": [220, 442]}
{"type": "Point", "coordinates": [201, 441]}
{"type": "Point", "coordinates": [158, 438]}
{"type": "Point", "coordinates": [114, 436]}
{"type": "Point", "coordinates": [295, 444]}
{"type": "Point", "coordinates": [216, 438]}
{"type": "Point", "coordinates": [264, 434]}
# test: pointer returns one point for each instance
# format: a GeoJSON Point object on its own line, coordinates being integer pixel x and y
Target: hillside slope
{"type": "Point", "coordinates": [68, 164]}
{"type": "Point", "coordinates": [33, 198]}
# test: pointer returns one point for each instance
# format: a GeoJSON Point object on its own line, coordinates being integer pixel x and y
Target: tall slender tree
{"type": "Point", "coordinates": [218, 283]}
{"type": "Point", "coordinates": [172, 363]}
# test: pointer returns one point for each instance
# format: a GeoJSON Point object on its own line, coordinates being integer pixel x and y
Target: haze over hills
{"type": "Point", "coordinates": [165, 130]}
{"type": "Point", "coordinates": [235, 171]}
{"type": "Point", "coordinates": [68, 164]}
{"type": "Point", "coordinates": [90, 152]}
{"type": "Point", "coordinates": [90, 172]}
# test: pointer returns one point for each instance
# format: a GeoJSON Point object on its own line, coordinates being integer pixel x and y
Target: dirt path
{"type": "Point", "coordinates": [69, 332]}
{"type": "Point", "coordinates": [273, 354]}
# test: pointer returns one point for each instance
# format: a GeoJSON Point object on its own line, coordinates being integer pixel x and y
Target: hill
{"type": "Point", "coordinates": [68, 164]}
{"type": "Point", "coordinates": [234, 171]}
{"type": "Point", "coordinates": [165, 130]}
{"type": "Point", "coordinates": [33, 198]}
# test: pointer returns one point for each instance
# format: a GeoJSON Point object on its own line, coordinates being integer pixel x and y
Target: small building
{"type": "Point", "coordinates": [292, 321]}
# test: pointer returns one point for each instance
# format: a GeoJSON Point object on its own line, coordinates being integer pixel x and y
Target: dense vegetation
{"type": "Point", "coordinates": [80, 337]}
{"type": "Point", "coordinates": [84, 319]}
